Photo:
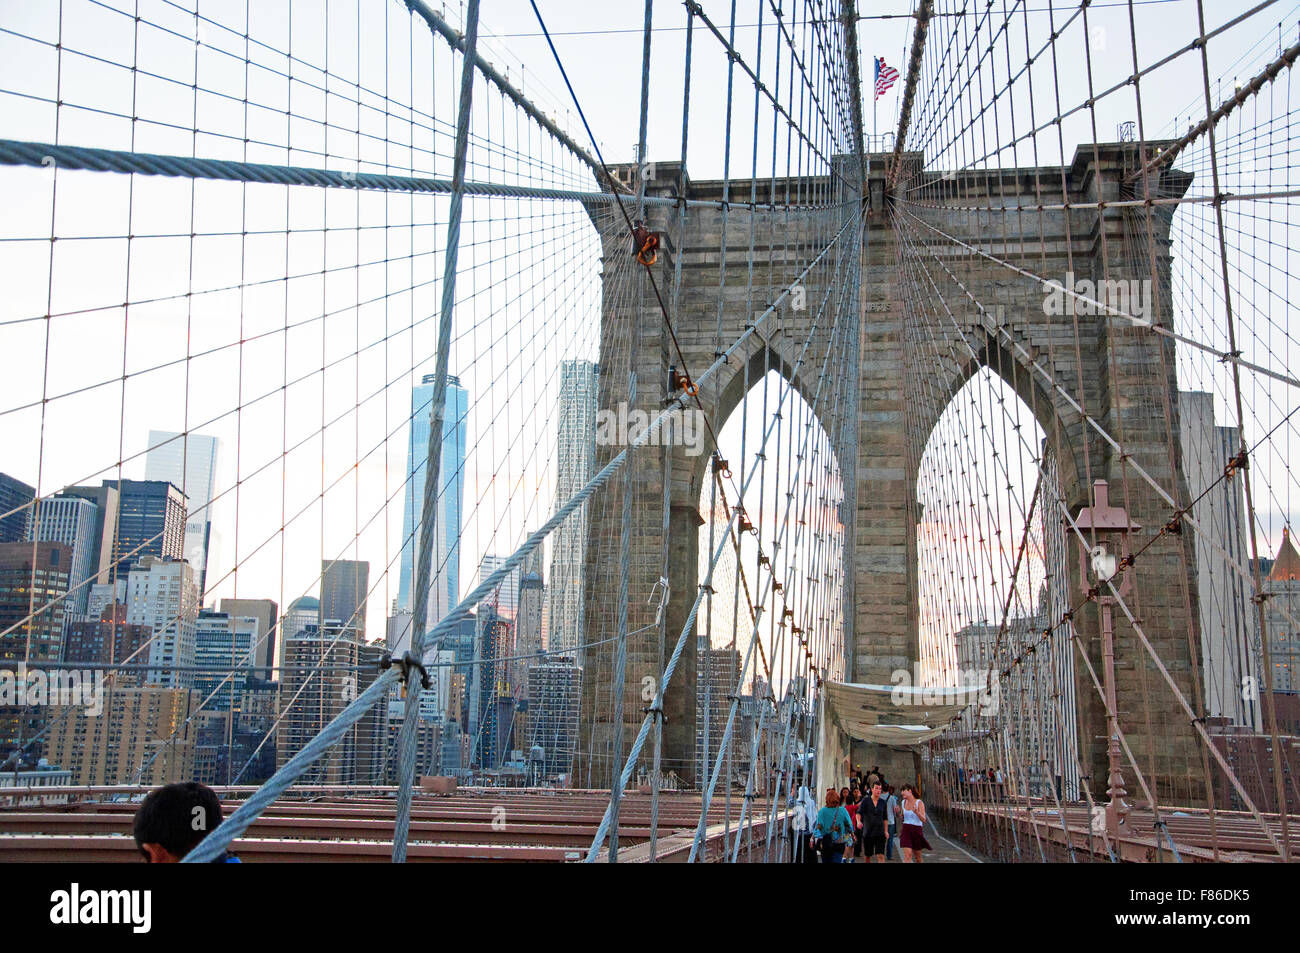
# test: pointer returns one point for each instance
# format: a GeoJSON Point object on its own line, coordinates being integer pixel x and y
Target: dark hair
{"type": "Point", "coordinates": [170, 817]}
{"type": "Point", "coordinates": [908, 787]}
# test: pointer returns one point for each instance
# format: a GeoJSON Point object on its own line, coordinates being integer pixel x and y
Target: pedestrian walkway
{"type": "Point", "coordinates": [948, 850]}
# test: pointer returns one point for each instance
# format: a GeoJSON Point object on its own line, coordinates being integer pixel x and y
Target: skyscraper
{"type": "Point", "coordinates": [150, 522]}
{"type": "Point", "coordinates": [554, 690]}
{"type": "Point", "coordinates": [161, 594]}
{"type": "Point", "coordinates": [490, 687]}
{"type": "Point", "coordinates": [265, 611]}
{"type": "Point", "coordinates": [70, 520]}
{"type": "Point", "coordinates": [14, 511]}
{"type": "Point", "coordinates": [444, 575]}
{"type": "Point", "coordinates": [507, 591]}
{"type": "Point", "coordinates": [1059, 710]}
{"type": "Point", "coordinates": [223, 641]}
{"type": "Point", "coordinates": [1229, 646]}
{"type": "Point", "coordinates": [32, 576]}
{"type": "Point", "coordinates": [528, 621]}
{"type": "Point", "coordinates": [343, 587]}
{"type": "Point", "coordinates": [105, 498]}
{"type": "Point", "coordinates": [717, 670]}
{"type": "Point", "coordinates": [324, 670]}
{"type": "Point", "coordinates": [188, 461]}
{"type": "Point", "coordinates": [575, 455]}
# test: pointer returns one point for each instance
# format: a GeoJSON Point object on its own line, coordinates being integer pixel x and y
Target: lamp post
{"type": "Point", "coordinates": [1108, 526]}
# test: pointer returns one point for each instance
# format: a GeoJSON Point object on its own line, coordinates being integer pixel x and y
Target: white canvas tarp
{"type": "Point", "coordinates": [885, 714]}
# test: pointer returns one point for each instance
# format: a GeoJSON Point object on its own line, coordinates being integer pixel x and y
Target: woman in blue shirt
{"type": "Point", "coordinates": [833, 828]}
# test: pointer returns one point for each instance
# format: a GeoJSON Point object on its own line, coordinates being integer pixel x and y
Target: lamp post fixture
{"type": "Point", "coordinates": [1109, 527]}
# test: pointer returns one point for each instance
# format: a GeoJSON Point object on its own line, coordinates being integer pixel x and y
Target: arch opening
{"type": "Point", "coordinates": [993, 579]}
{"type": "Point", "coordinates": [791, 563]}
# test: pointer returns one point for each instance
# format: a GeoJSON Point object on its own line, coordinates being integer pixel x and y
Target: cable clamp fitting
{"type": "Point", "coordinates": [656, 712]}
{"type": "Point", "coordinates": [408, 663]}
{"type": "Point", "coordinates": [645, 244]}
{"type": "Point", "coordinates": [681, 382]}
{"type": "Point", "coordinates": [659, 598]}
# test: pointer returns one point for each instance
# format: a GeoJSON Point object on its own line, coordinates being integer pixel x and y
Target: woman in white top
{"type": "Point", "coordinates": [912, 839]}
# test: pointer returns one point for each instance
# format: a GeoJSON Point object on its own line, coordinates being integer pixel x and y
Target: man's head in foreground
{"type": "Point", "coordinates": [173, 819]}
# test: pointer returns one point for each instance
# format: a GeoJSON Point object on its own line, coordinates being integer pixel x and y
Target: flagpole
{"type": "Point", "coordinates": [874, 97]}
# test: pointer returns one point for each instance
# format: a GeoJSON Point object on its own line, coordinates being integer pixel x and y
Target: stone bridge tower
{"type": "Point", "coordinates": [1122, 375]}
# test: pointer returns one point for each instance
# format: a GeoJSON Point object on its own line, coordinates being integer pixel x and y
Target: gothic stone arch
{"type": "Point", "coordinates": [1122, 375]}
{"type": "Point", "coordinates": [778, 346]}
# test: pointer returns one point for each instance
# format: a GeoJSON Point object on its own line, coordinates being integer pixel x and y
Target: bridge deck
{"type": "Point", "coordinates": [488, 824]}
{"type": "Point", "coordinates": [1001, 828]}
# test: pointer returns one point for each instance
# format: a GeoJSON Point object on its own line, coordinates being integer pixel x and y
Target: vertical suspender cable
{"type": "Point", "coordinates": [657, 766]}
{"type": "Point", "coordinates": [410, 718]}
{"type": "Point", "coordinates": [625, 541]}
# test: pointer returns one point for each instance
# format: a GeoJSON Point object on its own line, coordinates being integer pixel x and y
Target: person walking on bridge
{"type": "Point", "coordinates": [913, 837]}
{"type": "Point", "coordinates": [833, 828]}
{"type": "Point", "coordinates": [891, 812]}
{"type": "Point", "coordinates": [849, 798]}
{"type": "Point", "coordinates": [804, 823]}
{"type": "Point", "coordinates": [874, 815]}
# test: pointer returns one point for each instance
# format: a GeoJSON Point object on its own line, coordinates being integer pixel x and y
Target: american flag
{"type": "Point", "coordinates": [886, 76]}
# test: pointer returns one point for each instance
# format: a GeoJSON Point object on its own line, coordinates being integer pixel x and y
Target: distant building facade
{"type": "Point", "coordinates": [528, 620]}
{"type": "Point", "coordinates": [188, 461]}
{"type": "Point", "coordinates": [1282, 605]}
{"type": "Point", "coordinates": [266, 612]}
{"type": "Point", "coordinates": [142, 736]}
{"type": "Point", "coordinates": [105, 499]}
{"type": "Point", "coordinates": [575, 459]}
{"type": "Point", "coordinates": [161, 594]}
{"type": "Point", "coordinates": [33, 584]}
{"type": "Point", "coordinates": [70, 520]}
{"type": "Point", "coordinates": [150, 522]}
{"type": "Point", "coordinates": [1230, 653]}
{"type": "Point", "coordinates": [15, 510]}
{"type": "Point", "coordinates": [554, 694]}
{"type": "Point", "coordinates": [223, 642]}
{"type": "Point", "coordinates": [343, 587]}
{"type": "Point", "coordinates": [108, 639]}
{"type": "Point", "coordinates": [716, 672]}
{"type": "Point", "coordinates": [324, 671]}
{"type": "Point", "coordinates": [506, 595]}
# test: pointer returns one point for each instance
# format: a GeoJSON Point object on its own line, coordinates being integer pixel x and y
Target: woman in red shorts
{"type": "Point", "coordinates": [912, 838]}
